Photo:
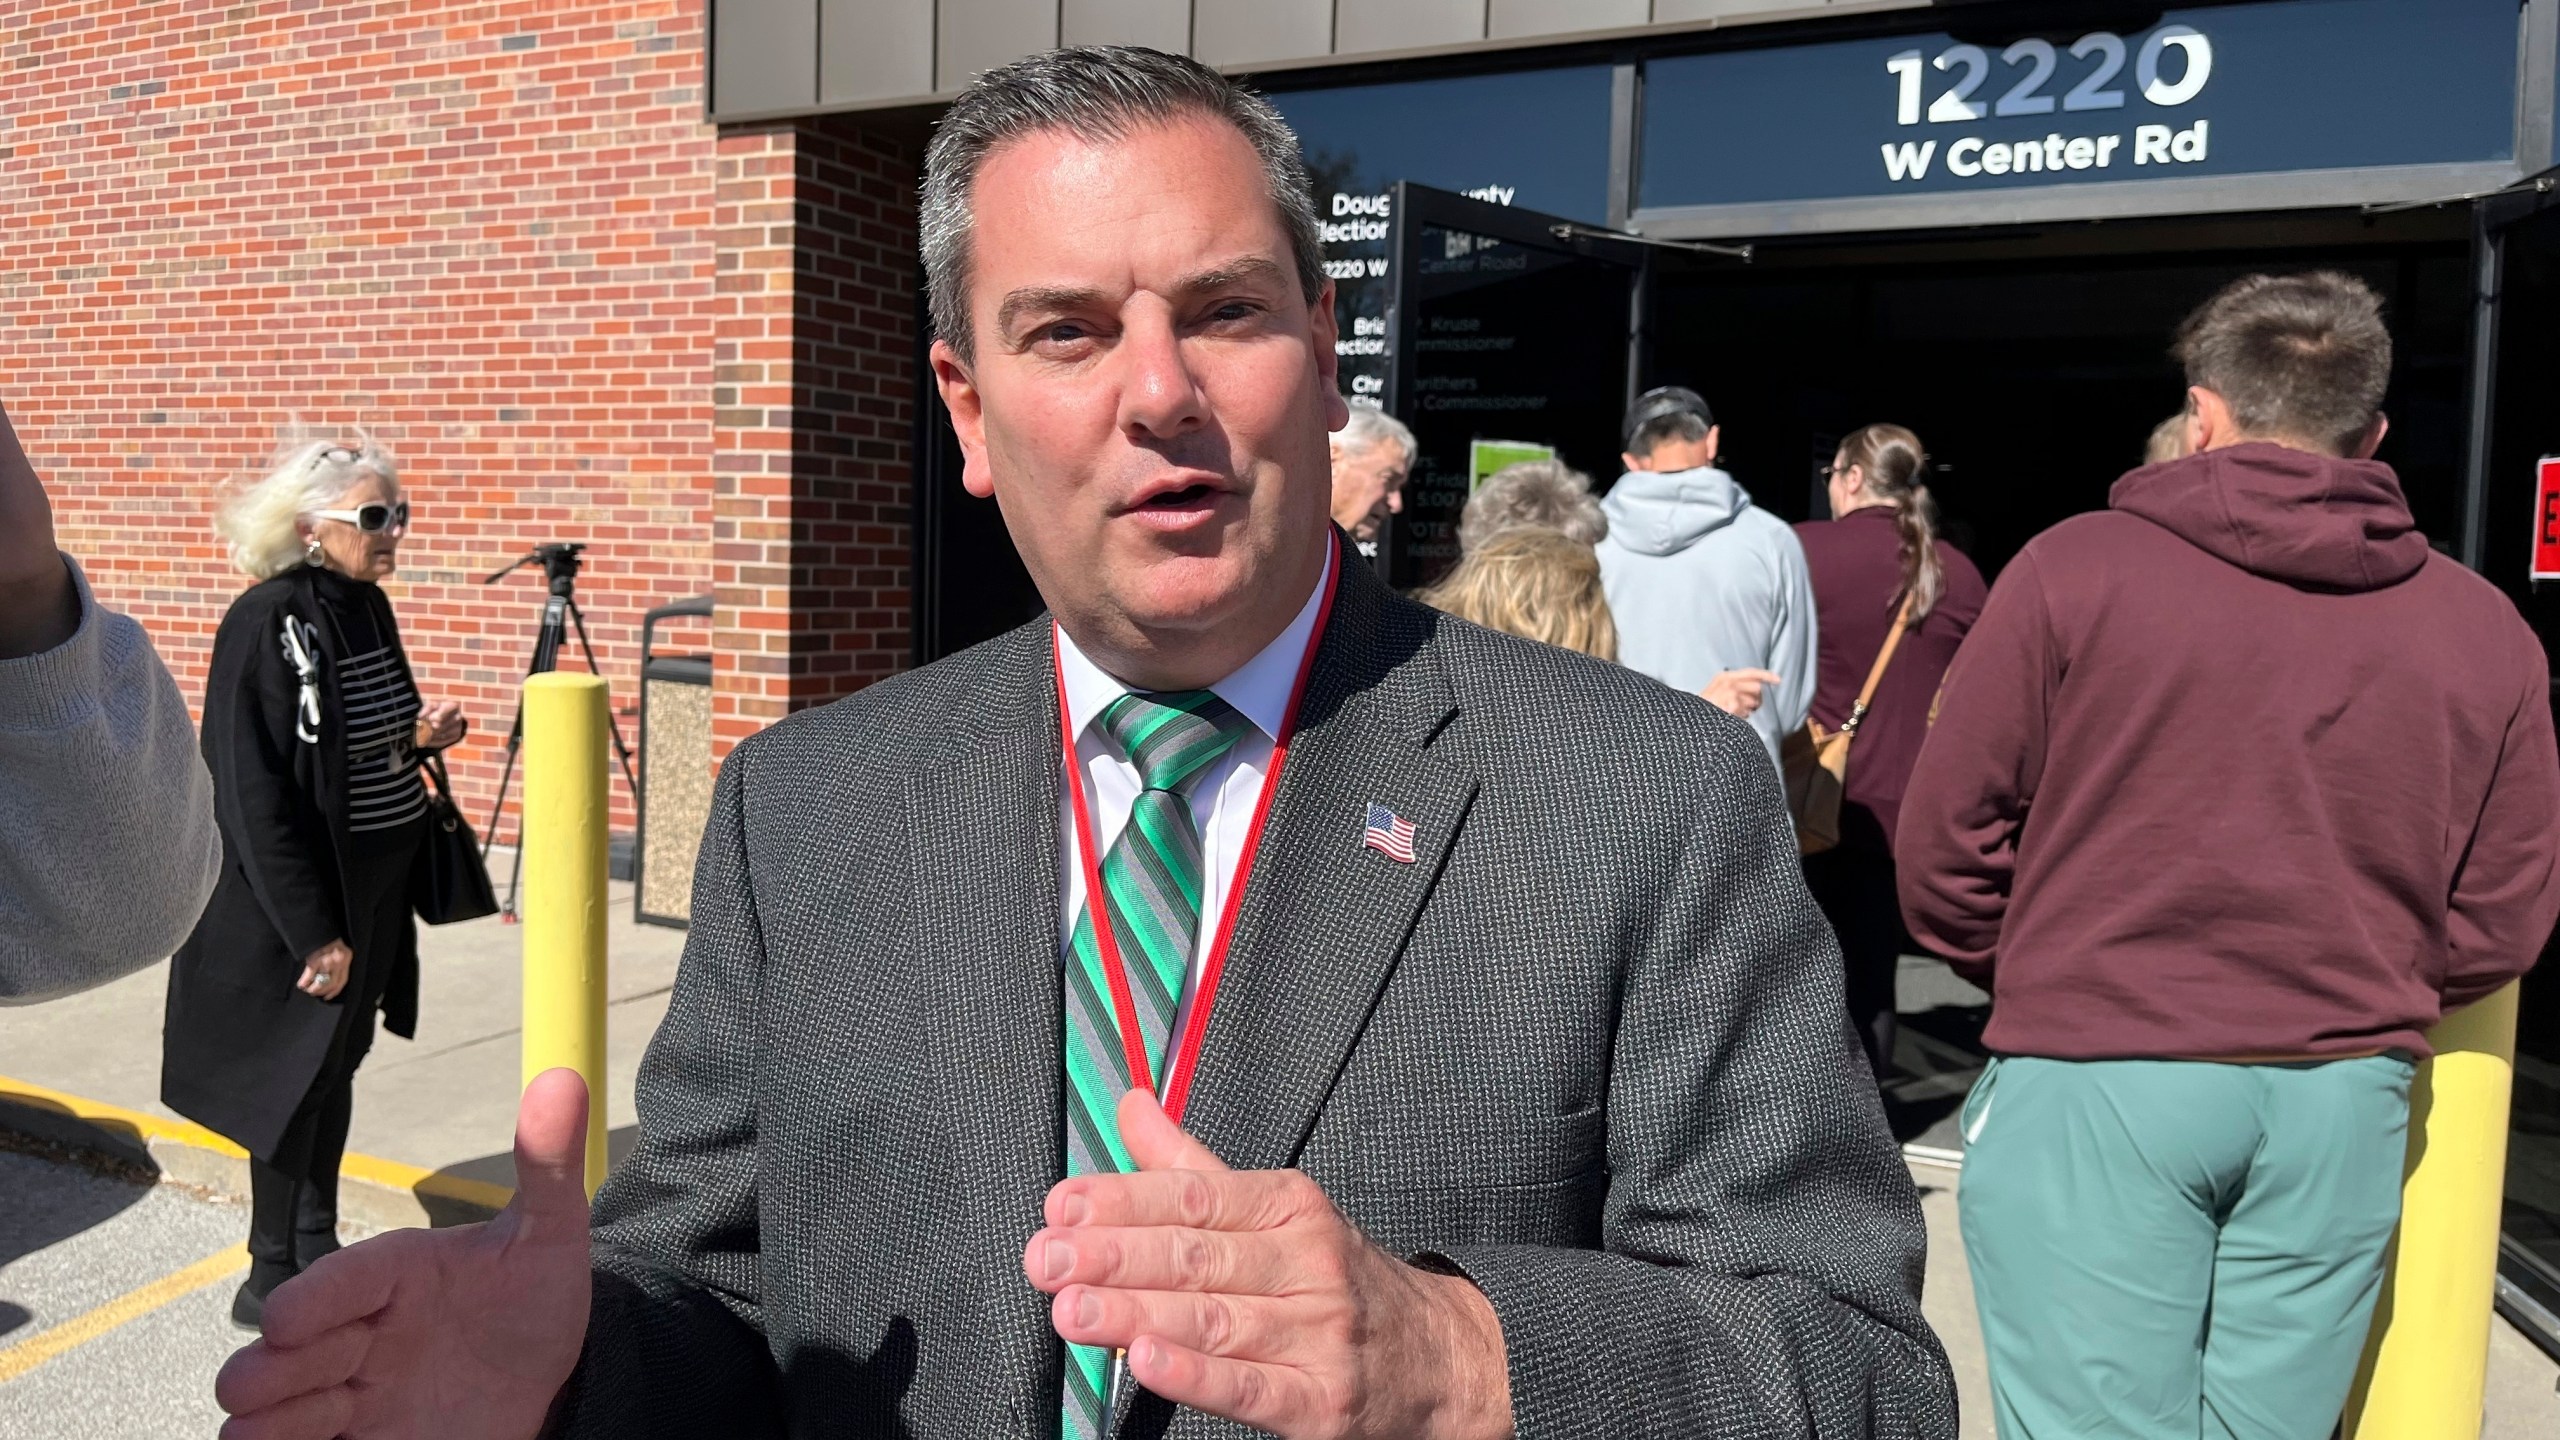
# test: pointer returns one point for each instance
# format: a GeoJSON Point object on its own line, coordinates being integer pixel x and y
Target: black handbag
{"type": "Point", "coordinates": [450, 884]}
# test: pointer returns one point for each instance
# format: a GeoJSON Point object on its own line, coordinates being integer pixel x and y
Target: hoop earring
{"type": "Point", "coordinates": [313, 556]}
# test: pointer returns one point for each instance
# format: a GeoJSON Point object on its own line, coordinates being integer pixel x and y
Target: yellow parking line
{"type": "Point", "coordinates": [388, 1174]}
{"type": "Point", "coordinates": [79, 1330]}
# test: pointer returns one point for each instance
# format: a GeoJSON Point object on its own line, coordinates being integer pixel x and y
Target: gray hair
{"type": "Point", "coordinates": [1533, 495]}
{"type": "Point", "coordinates": [1097, 93]}
{"type": "Point", "coordinates": [1370, 427]}
{"type": "Point", "coordinates": [262, 523]}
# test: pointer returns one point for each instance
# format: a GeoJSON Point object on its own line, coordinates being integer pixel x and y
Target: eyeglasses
{"type": "Point", "coordinates": [371, 519]}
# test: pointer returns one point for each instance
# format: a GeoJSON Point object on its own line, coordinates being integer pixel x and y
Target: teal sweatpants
{"type": "Point", "coordinates": [2169, 1248]}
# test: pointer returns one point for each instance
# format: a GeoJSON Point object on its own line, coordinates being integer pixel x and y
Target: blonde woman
{"type": "Point", "coordinates": [1533, 583]}
{"type": "Point", "coordinates": [313, 731]}
{"type": "Point", "coordinates": [2168, 440]}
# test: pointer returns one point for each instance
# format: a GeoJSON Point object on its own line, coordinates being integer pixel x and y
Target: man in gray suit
{"type": "Point", "coordinates": [1514, 1086]}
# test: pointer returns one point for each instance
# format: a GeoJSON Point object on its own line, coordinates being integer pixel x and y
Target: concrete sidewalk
{"type": "Point", "coordinates": [443, 1104]}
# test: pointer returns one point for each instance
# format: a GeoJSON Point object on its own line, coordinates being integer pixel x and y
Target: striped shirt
{"type": "Point", "coordinates": [381, 710]}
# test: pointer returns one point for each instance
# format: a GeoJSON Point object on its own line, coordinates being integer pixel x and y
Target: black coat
{"type": "Point", "coordinates": [242, 1045]}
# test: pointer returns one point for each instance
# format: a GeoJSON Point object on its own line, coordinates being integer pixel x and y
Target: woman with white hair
{"type": "Point", "coordinates": [1553, 496]}
{"type": "Point", "coordinates": [1545, 494]}
{"type": "Point", "coordinates": [314, 733]}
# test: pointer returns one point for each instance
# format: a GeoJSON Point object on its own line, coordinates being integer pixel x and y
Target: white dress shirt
{"type": "Point", "coordinates": [1222, 799]}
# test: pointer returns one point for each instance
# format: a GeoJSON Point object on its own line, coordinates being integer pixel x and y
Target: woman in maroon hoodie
{"type": "Point", "coordinates": [1880, 548]}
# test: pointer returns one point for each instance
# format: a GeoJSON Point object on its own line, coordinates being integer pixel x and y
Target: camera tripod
{"type": "Point", "coordinates": [559, 613]}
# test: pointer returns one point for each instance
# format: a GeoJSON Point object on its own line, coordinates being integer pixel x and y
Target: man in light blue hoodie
{"type": "Point", "coordinates": [1703, 584]}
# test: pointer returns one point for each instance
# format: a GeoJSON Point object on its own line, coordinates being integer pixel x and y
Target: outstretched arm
{"type": "Point", "coordinates": [38, 609]}
{"type": "Point", "coordinates": [107, 839]}
{"type": "Point", "coordinates": [413, 1333]}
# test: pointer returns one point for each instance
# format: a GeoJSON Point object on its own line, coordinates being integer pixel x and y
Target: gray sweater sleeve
{"type": "Point", "coordinates": [107, 841]}
{"type": "Point", "coordinates": [1794, 651]}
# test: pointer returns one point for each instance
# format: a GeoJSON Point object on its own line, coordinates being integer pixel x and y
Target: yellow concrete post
{"type": "Point", "coordinates": [563, 904]}
{"type": "Point", "coordinates": [2426, 1362]}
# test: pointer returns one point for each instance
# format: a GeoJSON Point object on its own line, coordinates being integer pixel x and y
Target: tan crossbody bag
{"type": "Point", "coordinates": [1816, 761]}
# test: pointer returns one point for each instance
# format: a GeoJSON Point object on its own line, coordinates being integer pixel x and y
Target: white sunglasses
{"type": "Point", "coordinates": [371, 519]}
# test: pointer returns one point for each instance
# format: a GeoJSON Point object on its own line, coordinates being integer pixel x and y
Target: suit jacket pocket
{"type": "Point", "coordinates": [1564, 1213]}
{"type": "Point", "coordinates": [1413, 1154]}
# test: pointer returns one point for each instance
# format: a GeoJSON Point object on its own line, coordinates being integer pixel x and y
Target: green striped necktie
{"type": "Point", "coordinates": [1152, 877]}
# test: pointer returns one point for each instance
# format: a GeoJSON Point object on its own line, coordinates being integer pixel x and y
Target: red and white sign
{"type": "Point", "coordinates": [2546, 519]}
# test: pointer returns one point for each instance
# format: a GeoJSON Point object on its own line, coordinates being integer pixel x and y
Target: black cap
{"type": "Point", "coordinates": [1661, 403]}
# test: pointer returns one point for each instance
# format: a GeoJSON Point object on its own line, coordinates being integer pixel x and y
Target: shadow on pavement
{"type": "Point", "coordinates": [1938, 1054]}
{"type": "Point", "coordinates": [94, 1188]}
{"type": "Point", "coordinates": [451, 1195]}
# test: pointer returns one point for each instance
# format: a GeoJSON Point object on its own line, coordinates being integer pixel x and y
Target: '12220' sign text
{"type": "Point", "coordinates": [2171, 68]}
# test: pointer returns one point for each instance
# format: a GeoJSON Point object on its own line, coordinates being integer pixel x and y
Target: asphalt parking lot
{"type": "Point", "coordinates": [115, 1300]}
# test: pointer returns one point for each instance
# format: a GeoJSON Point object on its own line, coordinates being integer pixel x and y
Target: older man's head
{"type": "Point", "coordinates": [1372, 456]}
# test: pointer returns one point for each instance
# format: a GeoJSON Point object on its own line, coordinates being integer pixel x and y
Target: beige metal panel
{"type": "Point", "coordinates": [1513, 18]}
{"type": "Point", "coordinates": [978, 35]}
{"type": "Point", "coordinates": [1365, 25]}
{"type": "Point", "coordinates": [874, 54]}
{"type": "Point", "coordinates": [675, 761]}
{"type": "Point", "coordinates": [1672, 12]}
{"type": "Point", "coordinates": [874, 50]}
{"type": "Point", "coordinates": [760, 55]}
{"type": "Point", "coordinates": [1163, 24]}
{"type": "Point", "coordinates": [1247, 32]}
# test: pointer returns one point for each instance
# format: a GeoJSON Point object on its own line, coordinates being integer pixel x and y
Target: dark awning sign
{"type": "Point", "coordinates": [2223, 91]}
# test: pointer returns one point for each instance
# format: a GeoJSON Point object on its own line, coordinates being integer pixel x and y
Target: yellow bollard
{"type": "Point", "coordinates": [2426, 1362]}
{"type": "Point", "coordinates": [565, 812]}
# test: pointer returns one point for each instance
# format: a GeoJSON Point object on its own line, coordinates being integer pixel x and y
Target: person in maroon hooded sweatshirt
{"type": "Point", "coordinates": [2234, 790]}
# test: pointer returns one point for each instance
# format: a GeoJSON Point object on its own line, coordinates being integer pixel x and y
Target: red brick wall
{"type": "Point", "coordinates": [482, 230]}
{"type": "Point", "coordinates": [814, 396]}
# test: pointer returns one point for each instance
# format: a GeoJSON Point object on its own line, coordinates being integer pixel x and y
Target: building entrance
{"type": "Point", "coordinates": [2033, 366]}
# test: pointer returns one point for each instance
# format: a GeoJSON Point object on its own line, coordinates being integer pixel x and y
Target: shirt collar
{"type": "Point", "coordinates": [1259, 688]}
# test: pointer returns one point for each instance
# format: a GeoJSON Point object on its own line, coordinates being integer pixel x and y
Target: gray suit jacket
{"type": "Point", "coordinates": [1589, 1049]}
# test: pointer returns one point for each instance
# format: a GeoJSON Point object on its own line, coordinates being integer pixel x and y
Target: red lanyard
{"type": "Point", "coordinates": [1133, 1043]}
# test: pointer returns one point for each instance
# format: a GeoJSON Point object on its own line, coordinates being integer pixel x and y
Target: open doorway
{"type": "Point", "coordinates": [2035, 365]}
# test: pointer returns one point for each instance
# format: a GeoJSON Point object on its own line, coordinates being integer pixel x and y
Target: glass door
{"type": "Point", "coordinates": [2515, 425]}
{"type": "Point", "coordinates": [1509, 328]}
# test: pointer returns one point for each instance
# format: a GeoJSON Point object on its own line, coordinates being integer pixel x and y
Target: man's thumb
{"type": "Point", "coordinates": [551, 1144]}
{"type": "Point", "coordinates": [1155, 1142]}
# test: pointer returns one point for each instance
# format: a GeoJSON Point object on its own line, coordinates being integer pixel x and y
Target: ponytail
{"type": "Point", "coordinates": [1891, 461]}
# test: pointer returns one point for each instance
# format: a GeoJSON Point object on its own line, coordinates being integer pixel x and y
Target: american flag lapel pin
{"type": "Point", "coordinates": [1389, 833]}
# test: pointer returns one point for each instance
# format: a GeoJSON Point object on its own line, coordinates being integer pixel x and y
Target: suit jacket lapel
{"type": "Point", "coordinates": [985, 828]}
{"type": "Point", "coordinates": [1324, 917]}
